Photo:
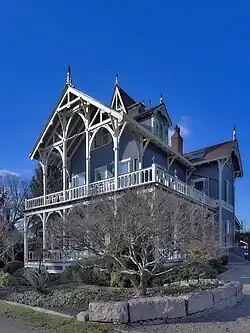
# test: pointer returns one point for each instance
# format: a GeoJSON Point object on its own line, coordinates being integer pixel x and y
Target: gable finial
{"type": "Point", "coordinates": [116, 80]}
{"type": "Point", "coordinates": [234, 133]}
{"type": "Point", "coordinates": [69, 77]}
{"type": "Point", "coordinates": [161, 98]}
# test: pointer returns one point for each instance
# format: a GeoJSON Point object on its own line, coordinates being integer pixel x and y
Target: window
{"type": "Point", "coordinates": [101, 173]}
{"type": "Point", "coordinates": [196, 156]}
{"type": "Point", "coordinates": [227, 233]}
{"type": "Point", "coordinates": [159, 129]}
{"type": "Point", "coordinates": [201, 185]}
{"type": "Point", "coordinates": [125, 166]}
{"type": "Point", "coordinates": [79, 179]}
{"type": "Point", "coordinates": [228, 192]}
{"type": "Point", "coordinates": [101, 138]}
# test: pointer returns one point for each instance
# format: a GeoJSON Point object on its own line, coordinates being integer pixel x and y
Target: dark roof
{"type": "Point", "coordinates": [211, 152]}
{"type": "Point", "coordinates": [127, 100]}
{"type": "Point", "coordinates": [146, 112]}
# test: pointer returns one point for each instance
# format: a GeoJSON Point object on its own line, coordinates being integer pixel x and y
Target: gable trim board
{"type": "Point", "coordinates": [81, 95]}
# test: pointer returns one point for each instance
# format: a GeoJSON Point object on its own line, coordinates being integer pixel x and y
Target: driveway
{"type": "Point", "coordinates": [236, 320]}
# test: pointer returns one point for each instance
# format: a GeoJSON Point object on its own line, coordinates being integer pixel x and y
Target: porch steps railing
{"type": "Point", "coordinates": [153, 174]}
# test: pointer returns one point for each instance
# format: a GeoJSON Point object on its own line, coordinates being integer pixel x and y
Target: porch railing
{"type": "Point", "coordinates": [153, 174]}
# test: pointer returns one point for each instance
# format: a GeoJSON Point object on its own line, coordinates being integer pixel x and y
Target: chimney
{"type": "Point", "coordinates": [177, 140]}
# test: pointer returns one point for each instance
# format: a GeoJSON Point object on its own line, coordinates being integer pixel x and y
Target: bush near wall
{"type": "Point", "coordinates": [12, 266]}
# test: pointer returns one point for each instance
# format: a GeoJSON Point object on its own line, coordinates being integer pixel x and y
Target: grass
{"type": "Point", "coordinates": [51, 323]}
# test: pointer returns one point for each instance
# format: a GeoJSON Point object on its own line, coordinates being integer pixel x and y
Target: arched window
{"type": "Point", "coordinates": [159, 129]}
{"type": "Point", "coordinates": [101, 138]}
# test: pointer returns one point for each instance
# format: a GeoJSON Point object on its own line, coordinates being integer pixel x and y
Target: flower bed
{"type": "Point", "coordinates": [167, 308]}
{"type": "Point", "coordinates": [73, 299]}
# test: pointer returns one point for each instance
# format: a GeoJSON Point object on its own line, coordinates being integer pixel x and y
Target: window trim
{"type": "Point", "coordinates": [102, 144]}
{"type": "Point", "coordinates": [201, 179]}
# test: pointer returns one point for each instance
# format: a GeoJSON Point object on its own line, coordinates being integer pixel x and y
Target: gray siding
{"type": "Point", "coordinates": [129, 146]}
{"type": "Point", "coordinates": [181, 170]}
{"type": "Point", "coordinates": [153, 151]}
{"type": "Point", "coordinates": [146, 122]}
{"type": "Point", "coordinates": [211, 172]}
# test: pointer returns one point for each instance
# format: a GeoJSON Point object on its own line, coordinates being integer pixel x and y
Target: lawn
{"type": "Point", "coordinates": [51, 323]}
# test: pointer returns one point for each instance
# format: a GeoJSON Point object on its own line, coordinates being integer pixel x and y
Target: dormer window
{"type": "Point", "coordinates": [159, 130]}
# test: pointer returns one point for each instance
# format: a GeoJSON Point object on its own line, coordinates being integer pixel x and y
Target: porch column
{"type": "Point", "coordinates": [87, 162]}
{"type": "Point", "coordinates": [25, 240]}
{"type": "Point", "coordinates": [64, 165]}
{"type": "Point", "coordinates": [44, 169]}
{"type": "Point", "coordinates": [116, 160]}
{"type": "Point", "coordinates": [44, 231]}
{"type": "Point", "coordinates": [141, 151]}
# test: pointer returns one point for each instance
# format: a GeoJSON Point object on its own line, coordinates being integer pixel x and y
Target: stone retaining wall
{"type": "Point", "coordinates": [164, 309]}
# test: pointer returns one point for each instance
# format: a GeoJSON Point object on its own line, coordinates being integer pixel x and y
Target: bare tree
{"type": "Point", "coordinates": [8, 242]}
{"type": "Point", "coordinates": [13, 191]}
{"type": "Point", "coordinates": [139, 230]}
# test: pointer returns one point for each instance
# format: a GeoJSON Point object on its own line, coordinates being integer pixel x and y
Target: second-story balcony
{"type": "Point", "coordinates": [152, 175]}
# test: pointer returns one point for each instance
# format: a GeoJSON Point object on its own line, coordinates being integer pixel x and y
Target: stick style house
{"type": "Point", "coordinates": [104, 148]}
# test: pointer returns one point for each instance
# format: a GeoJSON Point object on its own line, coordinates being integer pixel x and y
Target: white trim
{"type": "Point", "coordinates": [95, 135]}
{"type": "Point", "coordinates": [87, 99]}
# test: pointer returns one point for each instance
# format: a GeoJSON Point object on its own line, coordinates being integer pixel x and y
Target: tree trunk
{"type": "Point", "coordinates": [142, 288]}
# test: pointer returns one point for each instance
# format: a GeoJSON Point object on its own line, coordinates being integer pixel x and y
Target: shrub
{"type": "Point", "coordinates": [85, 274]}
{"type": "Point", "coordinates": [5, 280]}
{"type": "Point", "coordinates": [189, 271]}
{"type": "Point", "coordinates": [12, 266]}
{"type": "Point", "coordinates": [19, 278]}
{"type": "Point", "coordinates": [38, 279]}
{"type": "Point", "coordinates": [118, 280]}
{"type": "Point", "coordinates": [219, 264]}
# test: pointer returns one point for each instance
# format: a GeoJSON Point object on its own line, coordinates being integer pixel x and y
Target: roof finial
{"type": "Point", "coordinates": [69, 77]}
{"type": "Point", "coordinates": [234, 133]}
{"type": "Point", "coordinates": [116, 80]}
{"type": "Point", "coordinates": [161, 99]}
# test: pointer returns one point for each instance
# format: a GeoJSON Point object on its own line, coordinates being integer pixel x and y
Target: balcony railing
{"type": "Point", "coordinates": [153, 174]}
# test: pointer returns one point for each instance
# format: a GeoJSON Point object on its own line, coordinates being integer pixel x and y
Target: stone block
{"type": "Point", "coordinates": [239, 297]}
{"type": "Point", "coordinates": [154, 308]}
{"type": "Point", "coordinates": [223, 292]}
{"type": "Point", "coordinates": [83, 316]}
{"type": "Point", "coordinates": [237, 284]}
{"type": "Point", "coordinates": [199, 301]}
{"type": "Point", "coordinates": [109, 312]}
{"type": "Point", "coordinates": [226, 303]}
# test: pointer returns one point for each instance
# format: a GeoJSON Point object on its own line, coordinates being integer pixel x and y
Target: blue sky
{"type": "Point", "coordinates": [196, 53]}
